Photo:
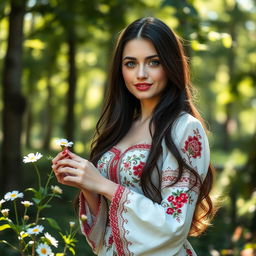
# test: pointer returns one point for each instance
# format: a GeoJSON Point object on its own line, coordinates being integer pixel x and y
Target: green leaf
{"type": "Point", "coordinates": [42, 191]}
{"type": "Point", "coordinates": [32, 189]}
{"type": "Point", "coordinates": [53, 223]}
{"type": "Point", "coordinates": [37, 201]}
{"type": "Point", "coordinates": [5, 226]}
{"type": "Point", "coordinates": [46, 206]}
{"type": "Point", "coordinates": [72, 250]}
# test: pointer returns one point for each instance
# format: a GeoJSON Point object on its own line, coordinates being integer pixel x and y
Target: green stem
{"type": "Point", "coordinates": [65, 248]}
{"type": "Point", "coordinates": [37, 216]}
{"type": "Point", "coordinates": [12, 246]}
{"type": "Point", "coordinates": [16, 212]}
{"type": "Point", "coordinates": [25, 212]}
{"type": "Point", "coordinates": [38, 175]}
{"type": "Point", "coordinates": [33, 247]}
{"type": "Point", "coordinates": [49, 199]}
{"type": "Point", "coordinates": [48, 180]}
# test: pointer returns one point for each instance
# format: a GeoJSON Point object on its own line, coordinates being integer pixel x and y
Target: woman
{"type": "Point", "coordinates": [146, 186]}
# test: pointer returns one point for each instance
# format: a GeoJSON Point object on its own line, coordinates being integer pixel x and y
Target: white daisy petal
{"type": "Point", "coordinates": [5, 212]}
{"type": "Point", "coordinates": [13, 195]}
{"type": "Point", "coordinates": [44, 249]}
{"type": "Point", "coordinates": [51, 239]}
{"type": "Point", "coordinates": [31, 157]}
{"type": "Point", "coordinates": [1, 202]}
{"type": "Point", "coordinates": [56, 189]}
{"type": "Point", "coordinates": [64, 143]}
{"type": "Point", "coordinates": [26, 203]}
{"type": "Point", "coordinates": [35, 230]}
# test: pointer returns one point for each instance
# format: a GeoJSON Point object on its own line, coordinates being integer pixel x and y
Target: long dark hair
{"type": "Point", "coordinates": [121, 108]}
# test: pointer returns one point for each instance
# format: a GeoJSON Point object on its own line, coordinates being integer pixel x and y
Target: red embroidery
{"type": "Point", "coordinates": [114, 219]}
{"type": "Point", "coordinates": [117, 221]}
{"type": "Point", "coordinates": [186, 180]}
{"type": "Point", "coordinates": [113, 174]}
{"type": "Point", "coordinates": [188, 251]}
{"type": "Point", "coordinates": [176, 201]}
{"type": "Point", "coordinates": [110, 240]}
{"type": "Point", "coordinates": [116, 163]}
{"type": "Point", "coordinates": [138, 169]}
{"type": "Point", "coordinates": [193, 147]}
{"type": "Point", "coordinates": [86, 229]}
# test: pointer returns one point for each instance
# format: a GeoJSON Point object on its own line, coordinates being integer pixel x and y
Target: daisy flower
{"type": "Point", "coordinates": [5, 212]}
{"type": "Point", "coordinates": [31, 157]}
{"type": "Point", "coordinates": [13, 195]}
{"type": "Point", "coordinates": [35, 230]}
{"type": "Point", "coordinates": [43, 249]}
{"type": "Point", "coordinates": [51, 239]}
{"type": "Point", "coordinates": [26, 203]}
{"type": "Point", "coordinates": [1, 202]}
{"type": "Point", "coordinates": [72, 224]}
{"type": "Point", "coordinates": [83, 217]}
{"type": "Point", "coordinates": [56, 189]}
{"type": "Point", "coordinates": [63, 143]}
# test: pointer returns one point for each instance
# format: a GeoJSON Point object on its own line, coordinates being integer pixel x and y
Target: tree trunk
{"type": "Point", "coordinates": [49, 114]}
{"type": "Point", "coordinates": [70, 118]}
{"type": "Point", "coordinates": [14, 102]}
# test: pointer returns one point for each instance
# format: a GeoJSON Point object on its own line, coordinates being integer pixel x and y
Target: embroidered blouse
{"type": "Point", "coordinates": [133, 225]}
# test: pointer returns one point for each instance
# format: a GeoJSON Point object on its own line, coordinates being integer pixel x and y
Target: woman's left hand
{"type": "Point", "coordinates": [78, 172]}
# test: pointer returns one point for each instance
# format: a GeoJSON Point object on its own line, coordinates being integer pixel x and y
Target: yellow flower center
{"type": "Point", "coordinates": [43, 251]}
{"type": "Point", "coordinates": [13, 195]}
{"type": "Point", "coordinates": [35, 230]}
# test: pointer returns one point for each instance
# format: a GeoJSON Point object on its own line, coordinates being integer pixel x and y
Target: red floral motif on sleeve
{"type": "Point", "coordinates": [193, 147]}
{"type": "Point", "coordinates": [175, 202]}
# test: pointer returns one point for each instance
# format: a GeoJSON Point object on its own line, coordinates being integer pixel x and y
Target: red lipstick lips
{"type": "Point", "coordinates": [142, 86]}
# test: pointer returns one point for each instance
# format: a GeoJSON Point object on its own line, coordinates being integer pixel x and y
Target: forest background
{"type": "Point", "coordinates": [54, 60]}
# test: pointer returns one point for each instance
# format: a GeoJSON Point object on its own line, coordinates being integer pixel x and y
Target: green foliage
{"type": "Point", "coordinates": [220, 41]}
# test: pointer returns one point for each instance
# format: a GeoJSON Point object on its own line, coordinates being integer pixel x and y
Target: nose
{"type": "Point", "coordinates": [142, 72]}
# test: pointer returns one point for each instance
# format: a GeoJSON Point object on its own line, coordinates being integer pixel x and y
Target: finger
{"type": "Point", "coordinates": [58, 157]}
{"type": "Point", "coordinates": [71, 181]}
{"type": "Point", "coordinates": [68, 162]}
{"type": "Point", "coordinates": [69, 171]}
{"type": "Point", "coordinates": [75, 157]}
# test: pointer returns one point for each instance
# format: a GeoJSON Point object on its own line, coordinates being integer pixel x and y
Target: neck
{"type": "Point", "coordinates": [147, 108]}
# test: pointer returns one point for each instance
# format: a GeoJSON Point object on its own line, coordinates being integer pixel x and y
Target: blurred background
{"type": "Point", "coordinates": [54, 61]}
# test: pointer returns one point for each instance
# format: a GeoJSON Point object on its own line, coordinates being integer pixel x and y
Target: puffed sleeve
{"type": "Point", "coordinates": [143, 227]}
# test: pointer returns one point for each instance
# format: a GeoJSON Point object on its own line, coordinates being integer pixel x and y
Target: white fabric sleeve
{"type": "Point", "coordinates": [143, 227]}
{"type": "Point", "coordinates": [94, 227]}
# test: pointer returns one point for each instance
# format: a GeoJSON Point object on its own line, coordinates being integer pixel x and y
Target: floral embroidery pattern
{"type": "Point", "coordinates": [193, 147]}
{"type": "Point", "coordinates": [176, 201]}
{"type": "Point", "coordinates": [188, 251]}
{"type": "Point", "coordinates": [133, 166]}
{"type": "Point", "coordinates": [103, 163]}
{"type": "Point", "coordinates": [138, 169]}
{"type": "Point", "coordinates": [109, 242]}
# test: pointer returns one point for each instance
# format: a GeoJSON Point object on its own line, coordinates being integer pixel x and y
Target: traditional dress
{"type": "Point", "coordinates": [133, 225]}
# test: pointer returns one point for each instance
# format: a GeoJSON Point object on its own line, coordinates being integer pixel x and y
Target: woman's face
{"type": "Point", "coordinates": [143, 73]}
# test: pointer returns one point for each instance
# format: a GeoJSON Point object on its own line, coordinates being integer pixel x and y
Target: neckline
{"type": "Point", "coordinates": [137, 145]}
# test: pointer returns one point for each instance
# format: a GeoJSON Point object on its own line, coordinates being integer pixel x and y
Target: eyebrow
{"type": "Point", "coordinates": [133, 58]}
